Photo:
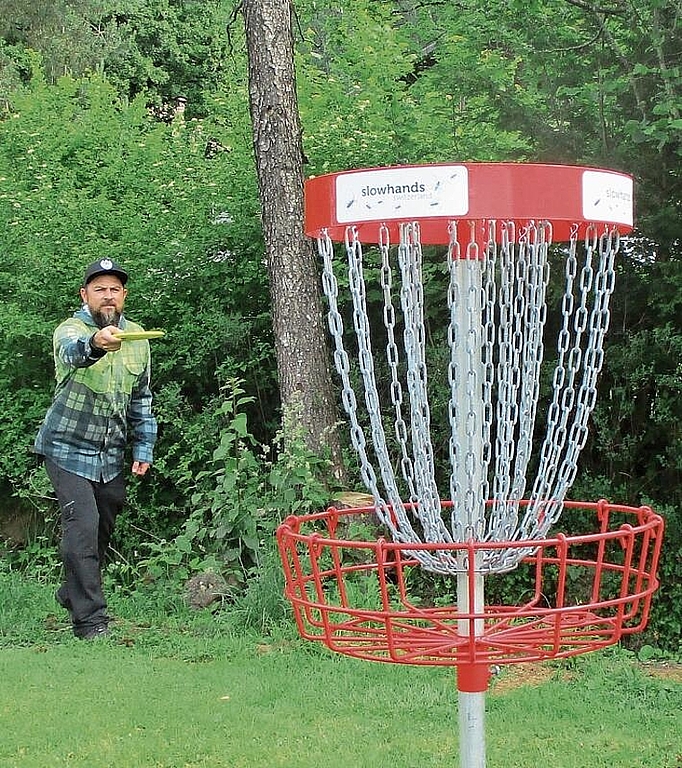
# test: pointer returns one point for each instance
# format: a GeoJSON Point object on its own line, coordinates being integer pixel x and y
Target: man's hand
{"type": "Point", "coordinates": [105, 339]}
{"type": "Point", "coordinates": [140, 468]}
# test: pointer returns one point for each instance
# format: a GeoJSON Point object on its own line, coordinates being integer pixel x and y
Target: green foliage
{"type": "Point", "coordinates": [665, 630]}
{"type": "Point", "coordinates": [236, 501]}
{"type": "Point", "coordinates": [225, 496]}
{"type": "Point", "coordinates": [376, 90]}
{"type": "Point", "coordinates": [40, 558]}
{"type": "Point", "coordinates": [261, 606]}
{"type": "Point", "coordinates": [162, 49]}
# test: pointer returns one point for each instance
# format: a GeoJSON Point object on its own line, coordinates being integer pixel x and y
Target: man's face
{"type": "Point", "coordinates": [105, 296]}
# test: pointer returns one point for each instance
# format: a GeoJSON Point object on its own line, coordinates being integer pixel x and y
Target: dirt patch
{"type": "Point", "coordinates": [666, 670]}
{"type": "Point", "coordinates": [514, 676]}
{"type": "Point", "coordinates": [17, 527]}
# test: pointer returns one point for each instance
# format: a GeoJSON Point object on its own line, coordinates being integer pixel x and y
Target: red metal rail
{"type": "Point", "coordinates": [587, 591]}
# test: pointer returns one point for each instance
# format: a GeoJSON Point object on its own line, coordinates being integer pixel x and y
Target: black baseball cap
{"type": "Point", "coordinates": [105, 267]}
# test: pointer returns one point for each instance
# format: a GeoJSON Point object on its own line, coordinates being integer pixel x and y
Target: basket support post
{"type": "Point", "coordinates": [471, 729]}
{"type": "Point", "coordinates": [468, 482]}
{"type": "Point", "coordinates": [472, 675]}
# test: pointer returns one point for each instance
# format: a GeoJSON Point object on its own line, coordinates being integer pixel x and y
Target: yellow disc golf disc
{"type": "Point", "coordinates": [138, 335]}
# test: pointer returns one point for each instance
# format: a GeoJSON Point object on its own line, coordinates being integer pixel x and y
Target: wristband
{"type": "Point", "coordinates": [95, 351]}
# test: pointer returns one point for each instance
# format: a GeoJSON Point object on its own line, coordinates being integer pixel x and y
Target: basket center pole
{"type": "Point", "coordinates": [472, 676]}
{"type": "Point", "coordinates": [467, 413]}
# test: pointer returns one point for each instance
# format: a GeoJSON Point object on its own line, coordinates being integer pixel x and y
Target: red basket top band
{"type": "Point", "coordinates": [435, 195]}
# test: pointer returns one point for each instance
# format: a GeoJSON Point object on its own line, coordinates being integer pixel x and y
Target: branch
{"type": "Point", "coordinates": [578, 47]}
{"type": "Point", "coordinates": [585, 6]}
{"type": "Point", "coordinates": [234, 14]}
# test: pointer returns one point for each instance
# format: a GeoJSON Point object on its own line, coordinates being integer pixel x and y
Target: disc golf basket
{"type": "Point", "coordinates": [510, 461]}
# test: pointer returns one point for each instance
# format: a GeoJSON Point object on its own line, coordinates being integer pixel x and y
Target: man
{"type": "Point", "coordinates": [102, 390]}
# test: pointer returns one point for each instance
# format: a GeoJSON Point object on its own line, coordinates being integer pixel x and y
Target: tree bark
{"type": "Point", "coordinates": [308, 401]}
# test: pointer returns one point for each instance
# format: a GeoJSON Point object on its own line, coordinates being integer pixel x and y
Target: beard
{"type": "Point", "coordinates": [105, 316]}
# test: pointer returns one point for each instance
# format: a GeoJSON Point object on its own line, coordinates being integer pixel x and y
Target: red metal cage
{"type": "Point", "coordinates": [579, 592]}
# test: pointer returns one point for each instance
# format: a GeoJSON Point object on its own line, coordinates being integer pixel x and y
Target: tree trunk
{"type": "Point", "coordinates": [308, 402]}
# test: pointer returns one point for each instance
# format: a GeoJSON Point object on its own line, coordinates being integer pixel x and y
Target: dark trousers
{"type": "Point", "coordinates": [88, 513]}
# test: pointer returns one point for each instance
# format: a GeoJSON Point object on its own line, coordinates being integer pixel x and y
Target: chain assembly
{"type": "Point", "coordinates": [496, 299]}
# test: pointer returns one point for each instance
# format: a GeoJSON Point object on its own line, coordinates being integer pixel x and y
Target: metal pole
{"type": "Point", "coordinates": [472, 729]}
{"type": "Point", "coordinates": [472, 678]}
{"type": "Point", "coordinates": [468, 470]}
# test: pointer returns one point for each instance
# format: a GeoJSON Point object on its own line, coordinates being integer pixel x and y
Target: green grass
{"type": "Point", "coordinates": [176, 689]}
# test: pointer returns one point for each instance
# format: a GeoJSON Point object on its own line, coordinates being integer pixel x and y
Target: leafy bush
{"type": "Point", "coordinates": [237, 500]}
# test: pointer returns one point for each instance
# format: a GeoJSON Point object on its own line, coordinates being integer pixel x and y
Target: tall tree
{"type": "Point", "coordinates": [300, 339]}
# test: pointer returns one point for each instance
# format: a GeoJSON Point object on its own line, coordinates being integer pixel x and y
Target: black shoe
{"type": "Point", "coordinates": [62, 599]}
{"type": "Point", "coordinates": [100, 632]}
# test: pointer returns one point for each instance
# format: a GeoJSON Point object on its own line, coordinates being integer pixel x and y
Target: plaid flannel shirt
{"type": "Point", "coordinates": [97, 398]}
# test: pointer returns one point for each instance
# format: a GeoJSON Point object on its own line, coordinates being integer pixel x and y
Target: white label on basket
{"type": "Point", "coordinates": [608, 197]}
{"type": "Point", "coordinates": [411, 192]}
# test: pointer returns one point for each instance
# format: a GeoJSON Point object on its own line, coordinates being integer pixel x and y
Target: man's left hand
{"type": "Point", "coordinates": [140, 468]}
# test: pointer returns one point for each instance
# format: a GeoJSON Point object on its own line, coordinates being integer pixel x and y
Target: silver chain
{"type": "Point", "coordinates": [497, 304]}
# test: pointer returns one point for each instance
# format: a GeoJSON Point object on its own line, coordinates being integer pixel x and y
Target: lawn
{"type": "Point", "coordinates": [185, 690]}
